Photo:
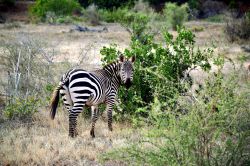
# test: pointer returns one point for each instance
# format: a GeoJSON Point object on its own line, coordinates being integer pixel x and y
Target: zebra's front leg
{"type": "Point", "coordinates": [94, 116]}
{"type": "Point", "coordinates": [109, 109]}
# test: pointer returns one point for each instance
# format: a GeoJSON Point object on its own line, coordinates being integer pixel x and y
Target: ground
{"type": "Point", "coordinates": [46, 142]}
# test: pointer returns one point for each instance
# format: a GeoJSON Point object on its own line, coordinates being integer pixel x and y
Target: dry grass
{"type": "Point", "coordinates": [68, 45]}
{"type": "Point", "coordinates": [46, 142]}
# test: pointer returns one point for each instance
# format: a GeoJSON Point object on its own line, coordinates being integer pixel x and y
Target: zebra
{"type": "Point", "coordinates": [80, 88]}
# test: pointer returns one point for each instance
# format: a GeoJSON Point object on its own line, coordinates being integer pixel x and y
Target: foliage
{"type": "Point", "coordinates": [238, 28]}
{"type": "Point", "coordinates": [216, 18]}
{"type": "Point", "coordinates": [214, 131]}
{"type": "Point", "coordinates": [193, 4]}
{"type": "Point", "coordinates": [59, 7]}
{"type": "Point", "coordinates": [28, 68]}
{"type": "Point", "coordinates": [21, 108]}
{"type": "Point", "coordinates": [175, 14]}
{"type": "Point", "coordinates": [91, 15]}
{"type": "Point", "coordinates": [159, 70]}
{"type": "Point", "coordinates": [142, 6]}
{"type": "Point", "coordinates": [52, 18]}
{"type": "Point", "coordinates": [121, 15]}
{"type": "Point", "coordinates": [128, 16]}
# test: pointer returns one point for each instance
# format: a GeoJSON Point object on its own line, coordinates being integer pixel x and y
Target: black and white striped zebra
{"type": "Point", "coordinates": [80, 88]}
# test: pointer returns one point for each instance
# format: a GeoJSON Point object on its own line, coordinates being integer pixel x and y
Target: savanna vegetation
{"type": "Point", "coordinates": [189, 103]}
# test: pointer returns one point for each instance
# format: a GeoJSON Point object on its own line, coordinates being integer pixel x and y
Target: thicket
{"type": "Point", "coordinates": [238, 28]}
{"type": "Point", "coordinates": [27, 75]}
{"type": "Point", "coordinates": [214, 130]}
{"type": "Point", "coordinates": [173, 15]}
{"type": "Point", "coordinates": [69, 11]}
{"type": "Point", "coordinates": [59, 7]}
{"type": "Point", "coordinates": [161, 70]}
{"type": "Point", "coordinates": [209, 127]}
{"type": "Point", "coordinates": [176, 14]}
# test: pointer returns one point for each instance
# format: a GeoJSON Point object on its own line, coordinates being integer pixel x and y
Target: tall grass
{"type": "Point", "coordinates": [27, 69]}
{"type": "Point", "coordinates": [214, 129]}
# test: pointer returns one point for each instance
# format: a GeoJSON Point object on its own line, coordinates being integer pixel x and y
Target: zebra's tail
{"type": "Point", "coordinates": [54, 102]}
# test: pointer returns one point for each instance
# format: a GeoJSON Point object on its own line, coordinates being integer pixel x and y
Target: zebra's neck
{"type": "Point", "coordinates": [111, 72]}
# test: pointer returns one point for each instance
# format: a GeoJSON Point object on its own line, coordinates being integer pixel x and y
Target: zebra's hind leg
{"type": "Point", "coordinates": [94, 117]}
{"type": "Point", "coordinates": [67, 101]}
{"type": "Point", "coordinates": [73, 114]}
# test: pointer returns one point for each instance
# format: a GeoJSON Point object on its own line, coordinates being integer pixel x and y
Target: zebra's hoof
{"type": "Point", "coordinates": [73, 135]}
{"type": "Point", "coordinates": [110, 128]}
{"type": "Point", "coordinates": [92, 133]}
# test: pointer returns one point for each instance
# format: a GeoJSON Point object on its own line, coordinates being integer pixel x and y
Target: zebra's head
{"type": "Point", "coordinates": [126, 70]}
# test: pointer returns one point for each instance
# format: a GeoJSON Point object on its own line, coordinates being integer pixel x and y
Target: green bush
{"type": "Point", "coordinates": [214, 131]}
{"type": "Point", "coordinates": [59, 7]}
{"type": "Point", "coordinates": [159, 70]}
{"type": "Point", "coordinates": [120, 15]}
{"type": "Point", "coordinates": [21, 108]}
{"type": "Point", "coordinates": [175, 14]}
{"type": "Point", "coordinates": [92, 15]}
{"type": "Point", "coordinates": [128, 16]}
{"type": "Point", "coordinates": [216, 18]}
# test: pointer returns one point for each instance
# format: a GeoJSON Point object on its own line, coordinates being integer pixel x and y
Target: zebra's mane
{"type": "Point", "coordinates": [111, 70]}
{"type": "Point", "coordinates": [111, 65]}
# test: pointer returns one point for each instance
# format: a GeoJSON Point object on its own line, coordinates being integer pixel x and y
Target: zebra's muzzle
{"type": "Point", "coordinates": [128, 83]}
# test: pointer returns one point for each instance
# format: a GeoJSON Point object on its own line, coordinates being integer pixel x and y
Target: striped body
{"type": "Point", "coordinates": [83, 87]}
{"type": "Point", "coordinates": [80, 88]}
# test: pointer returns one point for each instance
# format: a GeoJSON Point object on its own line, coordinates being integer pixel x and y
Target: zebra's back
{"type": "Point", "coordinates": [83, 87]}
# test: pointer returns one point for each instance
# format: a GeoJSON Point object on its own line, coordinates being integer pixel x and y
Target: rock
{"type": "Point", "coordinates": [86, 29]}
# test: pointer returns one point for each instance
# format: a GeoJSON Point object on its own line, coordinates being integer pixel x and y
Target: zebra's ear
{"type": "Point", "coordinates": [121, 58]}
{"type": "Point", "coordinates": [132, 59]}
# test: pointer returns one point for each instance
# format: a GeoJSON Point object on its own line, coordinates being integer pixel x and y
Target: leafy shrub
{"type": "Point", "coordinates": [159, 70]}
{"type": "Point", "coordinates": [119, 15]}
{"type": "Point", "coordinates": [91, 15]}
{"type": "Point", "coordinates": [238, 28]}
{"type": "Point", "coordinates": [21, 108]}
{"type": "Point", "coordinates": [175, 14]}
{"type": "Point", "coordinates": [216, 18]}
{"type": "Point", "coordinates": [128, 16]}
{"type": "Point", "coordinates": [142, 6]}
{"type": "Point", "coordinates": [59, 7]}
{"type": "Point", "coordinates": [52, 18]}
{"type": "Point", "coordinates": [215, 130]}
{"type": "Point", "coordinates": [193, 4]}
